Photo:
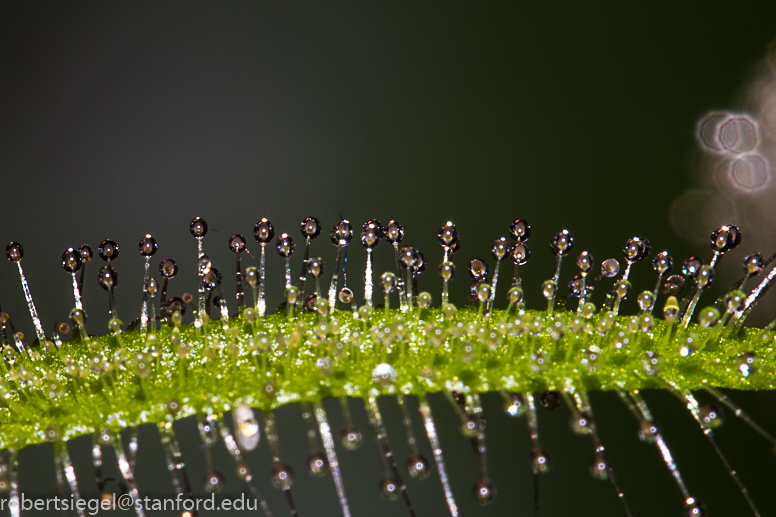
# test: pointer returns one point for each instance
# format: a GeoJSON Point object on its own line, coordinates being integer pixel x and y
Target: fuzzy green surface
{"type": "Point", "coordinates": [224, 368]}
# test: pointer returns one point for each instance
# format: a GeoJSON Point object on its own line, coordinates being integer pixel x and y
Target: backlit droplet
{"type": "Point", "coordinates": [285, 245]}
{"type": "Point", "coordinates": [315, 267]}
{"type": "Point", "coordinates": [550, 399]}
{"type": "Point", "coordinates": [610, 268]}
{"type": "Point", "coordinates": [690, 266]}
{"type": "Point", "coordinates": [237, 243]}
{"type": "Point", "coordinates": [673, 285]}
{"type": "Point", "coordinates": [86, 253]}
{"type": "Point", "coordinates": [311, 228]}
{"type": "Point", "coordinates": [282, 476]}
{"type": "Point", "coordinates": [390, 489]}
{"type": "Point", "coordinates": [147, 246]}
{"type": "Point", "coordinates": [393, 232]}
{"type": "Point", "coordinates": [263, 231]}
{"type": "Point", "coordinates": [646, 301]}
{"type": "Point", "coordinates": [734, 301]}
{"type": "Point", "coordinates": [388, 282]}
{"type": "Point", "coordinates": [483, 292]}
{"type": "Point", "coordinates": [520, 230]}
{"type": "Point", "coordinates": [447, 234]}
{"type": "Point", "coordinates": [317, 464]}
{"type": "Point", "coordinates": [447, 271]}
{"type": "Point", "coordinates": [500, 249]}
{"type": "Point", "coordinates": [108, 278]}
{"type": "Point", "coordinates": [725, 238]}
{"type": "Point", "coordinates": [520, 254]}
{"type": "Point", "coordinates": [198, 227]}
{"type": "Point", "coordinates": [585, 262]}
{"type": "Point", "coordinates": [704, 276]}
{"type": "Point", "coordinates": [753, 264]}
{"type": "Point", "coordinates": [424, 300]}
{"type": "Point", "coordinates": [712, 415]}
{"type": "Point", "coordinates": [252, 276]}
{"type": "Point", "coordinates": [14, 251]}
{"type": "Point", "coordinates": [370, 237]}
{"type": "Point", "coordinates": [345, 295]}
{"type": "Point", "coordinates": [636, 249]}
{"type": "Point", "coordinates": [515, 295]}
{"type": "Point", "coordinates": [351, 438]}
{"type": "Point", "coordinates": [622, 289]}
{"type": "Point", "coordinates": [662, 263]}
{"type": "Point", "coordinates": [484, 491]}
{"type": "Point", "coordinates": [549, 289]}
{"type": "Point", "coordinates": [108, 250]}
{"type": "Point", "coordinates": [71, 260]}
{"type": "Point", "coordinates": [561, 243]}
{"type": "Point", "coordinates": [214, 482]}
{"type": "Point", "coordinates": [708, 317]}
{"type": "Point", "coordinates": [408, 257]}
{"type": "Point", "coordinates": [384, 374]}
{"type": "Point", "coordinates": [168, 268]}
{"type": "Point", "coordinates": [478, 269]}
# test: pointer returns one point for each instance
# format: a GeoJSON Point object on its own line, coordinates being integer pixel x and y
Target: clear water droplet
{"type": "Point", "coordinates": [393, 232]}
{"type": "Point", "coordinates": [520, 254]}
{"type": "Point", "coordinates": [198, 227]}
{"type": "Point", "coordinates": [107, 278]}
{"type": "Point", "coordinates": [370, 237]}
{"type": "Point", "coordinates": [390, 488]}
{"type": "Point", "coordinates": [71, 260]}
{"type": "Point", "coordinates": [108, 250]}
{"type": "Point", "coordinates": [549, 289]}
{"type": "Point", "coordinates": [478, 269]}
{"type": "Point", "coordinates": [409, 257]}
{"type": "Point", "coordinates": [636, 249]}
{"type": "Point", "coordinates": [282, 476]}
{"type": "Point", "coordinates": [315, 267]}
{"type": "Point", "coordinates": [610, 268]}
{"type": "Point", "coordinates": [263, 231]}
{"type": "Point", "coordinates": [351, 438]}
{"type": "Point", "coordinates": [447, 234]}
{"type": "Point", "coordinates": [673, 285]}
{"type": "Point", "coordinates": [147, 246]}
{"type": "Point", "coordinates": [86, 253]}
{"type": "Point", "coordinates": [753, 264]}
{"type": "Point", "coordinates": [345, 295]}
{"type": "Point", "coordinates": [285, 245]}
{"type": "Point", "coordinates": [237, 243]}
{"type": "Point", "coordinates": [418, 466]}
{"type": "Point", "coordinates": [317, 464]}
{"type": "Point", "coordinates": [561, 243]}
{"type": "Point", "coordinates": [646, 301]}
{"type": "Point", "coordinates": [388, 282]}
{"type": "Point", "coordinates": [515, 295]}
{"type": "Point", "coordinates": [447, 271]}
{"type": "Point", "coordinates": [484, 491]}
{"type": "Point", "coordinates": [424, 300]}
{"type": "Point", "coordinates": [585, 262]}
{"type": "Point", "coordinates": [342, 233]}
{"type": "Point", "coordinates": [520, 230]}
{"type": "Point", "coordinates": [725, 238]}
{"type": "Point", "coordinates": [310, 227]}
{"type": "Point", "coordinates": [708, 317]}
{"type": "Point", "coordinates": [168, 268]}
{"type": "Point", "coordinates": [500, 249]}
{"type": "Point", "coordinates": [662, 263]}
{"type": "Point", "coordinates": [690, 266]}
{"type": "Point", "coordinates": [704, 276]}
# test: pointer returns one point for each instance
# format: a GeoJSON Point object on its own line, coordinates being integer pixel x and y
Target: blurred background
{"type": "Point", "coordinates": [125, 118]}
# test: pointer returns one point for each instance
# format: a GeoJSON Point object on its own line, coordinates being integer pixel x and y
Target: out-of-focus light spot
{"type": "Point", "coordinates": [738, 134]}
{"type": "Point", "coordinates": [749, 173]}
{"type": "Point", "coordinates": [700, 209]}
{"type": "Point", "coordinates": [708, 131]}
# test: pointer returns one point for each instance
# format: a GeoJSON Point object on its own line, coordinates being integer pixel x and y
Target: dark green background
{"type": "Point", "coordinates": [119, 119]}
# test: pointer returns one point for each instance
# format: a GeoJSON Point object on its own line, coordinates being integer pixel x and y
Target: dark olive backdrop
{"type": "Point", "coordinates": [119, 119]}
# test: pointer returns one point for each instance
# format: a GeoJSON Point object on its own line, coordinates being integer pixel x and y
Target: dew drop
{"type": "Point", "coordinates": [390, 488]}
{"type": "Point", "coordinates": [263, 231]}
{"type": "Point", "coordinates": [500, 249]}
{"type": "Point", "coordinates": [252, 276]}
{"type": "Point", "coordinates": [108, 250]}
{"type": "Point", "coordinates": [550, 400]}
{"type": "Point", "coordinates": [734, 301]}
{"type": "Point", "coordinates": [725, 238]}
{"type": "Point", "coordinates": [753, 264]}
{"type": "Point", "coordinates": [14, 251]}
{"type": "Point", "coordinates": [198, 227]}
{"type": "Point", "coordinates": [214, 482]}
{"type": "Point", "coordinates": [576, 285]}
{"type": "Point", "coordinates": [483, 292]}
{"type": "Point", "coordinates": [317, 464]}
{"type": "Point", "coordinates": [585, 262]}
{"type": "Point", "coordinates": [384, 374]}
{"type": "Point", "coordinates": [520, 230]}
{"type": "Point", "coordinates": [636, 249]}
{"type": "Point", "coordinates": [418, 466]}
{"type": "Point", "coordinates": [691, 266]}
{"type": "Point", "coordinates": [409, 257]}
{"type": "Point", "coordinates": [393, 232]}
{"type": "Point", "coordinates": [424, 300]}
{"type": "Point", "coordinates": [315, 267]}
{"type": "Point", "coordinates": [107, 278]}
{"type": "Point", "coordinates": [648, 431]}
{"type": "Point", "coordinates": [147, 246]}
{"type": "Point", "coordinates": [478, 269]}
{"type": "Point", "coordinates": [515, 295]}
{"type": "Point", "coordinates": [662, 263]}
{"type": "Point", "coordinates": [549, 289]}
{"type": "Point", "coordinates": [370, 237]}
{"type": "Point", "coordinates": [351, 438]}
{"type": "Point", "coordinates": [71, 260]}
{"type": "Point", "coordinates": [447, 271]}
{"type": "Point", "coordinates": [447, 234]}
{"type": "Point", "coordinates": [673, 285]}
{"type": "Point", "coordinates": [282, 476]}
{"type": "Point", "coordinates": [484, 491]}
{"type": "Point", "coordinates": [712, 415]}
{"type": "Point", "coordinates": [622, 289]}
{"type": "Point", "coordinates": [610, 268]}
{"type": "Point", "coordinates": [388, 282]}
{"type": "Point", "coordinates": [285, 245]}
{"type": "Point", "coordinates": [562, 243]}
{"type": "Point", "coordinates": [588, 310]}
{"type": "Point", "coordinates": [520, 254]}
{"type": "Point", "coordinates": [168, 269]}
{"type": "Point", "coordinates": [237, 243]}
{"type": "Point", "coordinates": [310, 227]}
{"type": "Point", "coordinates": [86, 253]}
{"type": "Point", "coordinates": [708, 317]}
{"type": "Point", "coordinates": [646, 301]}
{"type": "Point", "coordinates": [704, 276]}
{"type": "Point", "coordinates": [345, 295]}
{"type": "Point", "coordinates": [342, 233]}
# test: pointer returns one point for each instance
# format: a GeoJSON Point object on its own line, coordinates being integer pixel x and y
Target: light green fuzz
{"type": "Point", "coordinates": [85, 386]}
